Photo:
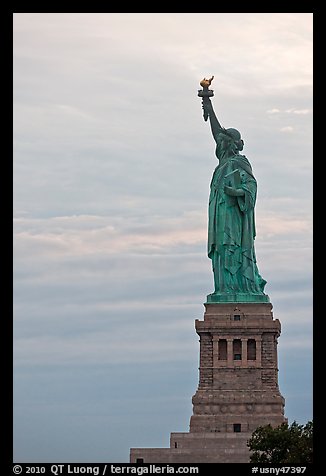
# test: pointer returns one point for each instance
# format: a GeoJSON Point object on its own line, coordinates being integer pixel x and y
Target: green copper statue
{"type": "Point", "coordinates": [231, 220]}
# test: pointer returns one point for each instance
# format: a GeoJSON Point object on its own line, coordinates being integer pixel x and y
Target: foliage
{"type": "Point", "coordinates": [283, 444]}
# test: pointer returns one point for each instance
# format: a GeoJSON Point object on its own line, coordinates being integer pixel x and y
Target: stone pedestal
{"type": "Point", "coordinates": [238, 387]}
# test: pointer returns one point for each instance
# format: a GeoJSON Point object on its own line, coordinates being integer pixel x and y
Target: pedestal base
{"type": "Point", "coordinates": [197, 448]}
{"type": "Point", "coordinates": [238, 385]}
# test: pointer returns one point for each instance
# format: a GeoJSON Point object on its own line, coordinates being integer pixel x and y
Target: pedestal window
{"type": "Point", "coordinates": [237, 349]}
{"type": "Point", "coordinates": [251, 349]}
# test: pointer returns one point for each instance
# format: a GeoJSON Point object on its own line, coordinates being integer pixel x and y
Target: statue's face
{"type": "Point", "coordinates": [240, 144]}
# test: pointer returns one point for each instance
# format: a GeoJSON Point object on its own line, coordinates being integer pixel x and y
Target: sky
{"type": "Point", "coordinates": [112, 166]}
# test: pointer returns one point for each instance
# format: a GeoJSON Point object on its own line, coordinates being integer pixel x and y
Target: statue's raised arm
{"type": "Point", "coordinates": [205, 94]}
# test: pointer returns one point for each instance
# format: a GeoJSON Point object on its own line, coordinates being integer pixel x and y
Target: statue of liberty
{"type": "Point", "coordinates": [231, 219]}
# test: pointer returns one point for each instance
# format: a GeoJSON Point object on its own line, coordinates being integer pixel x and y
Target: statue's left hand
{"type": "Point", "coordinates": [233, 192]}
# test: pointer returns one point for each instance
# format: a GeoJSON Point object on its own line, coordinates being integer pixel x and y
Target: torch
{"type": "Point", "coordinates": [205, 93]}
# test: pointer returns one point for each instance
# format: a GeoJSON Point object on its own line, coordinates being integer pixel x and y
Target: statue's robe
{"type": "Point", "coordinates": [231, 228]}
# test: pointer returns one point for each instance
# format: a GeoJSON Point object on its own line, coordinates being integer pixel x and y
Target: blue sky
{"type": "Point", "coordinates": [112, 165]}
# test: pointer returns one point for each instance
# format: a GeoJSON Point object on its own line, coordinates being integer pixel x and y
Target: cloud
{"type": "Point", "coordinates": [105, 347]}
{"type": "Point", "coordinates": [289, 111]}
{"type": "Point", "coordinates": [287, 129]}
{"type": "Point", "coordinates": [298, 111]}
{"type": "Point", "coordinates": [98, 235]}
{"type": "Point", "coordinates": [273, 226]}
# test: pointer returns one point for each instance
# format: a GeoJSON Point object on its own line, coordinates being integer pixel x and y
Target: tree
{"type": "Point", "coordinates": [283, 444]}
